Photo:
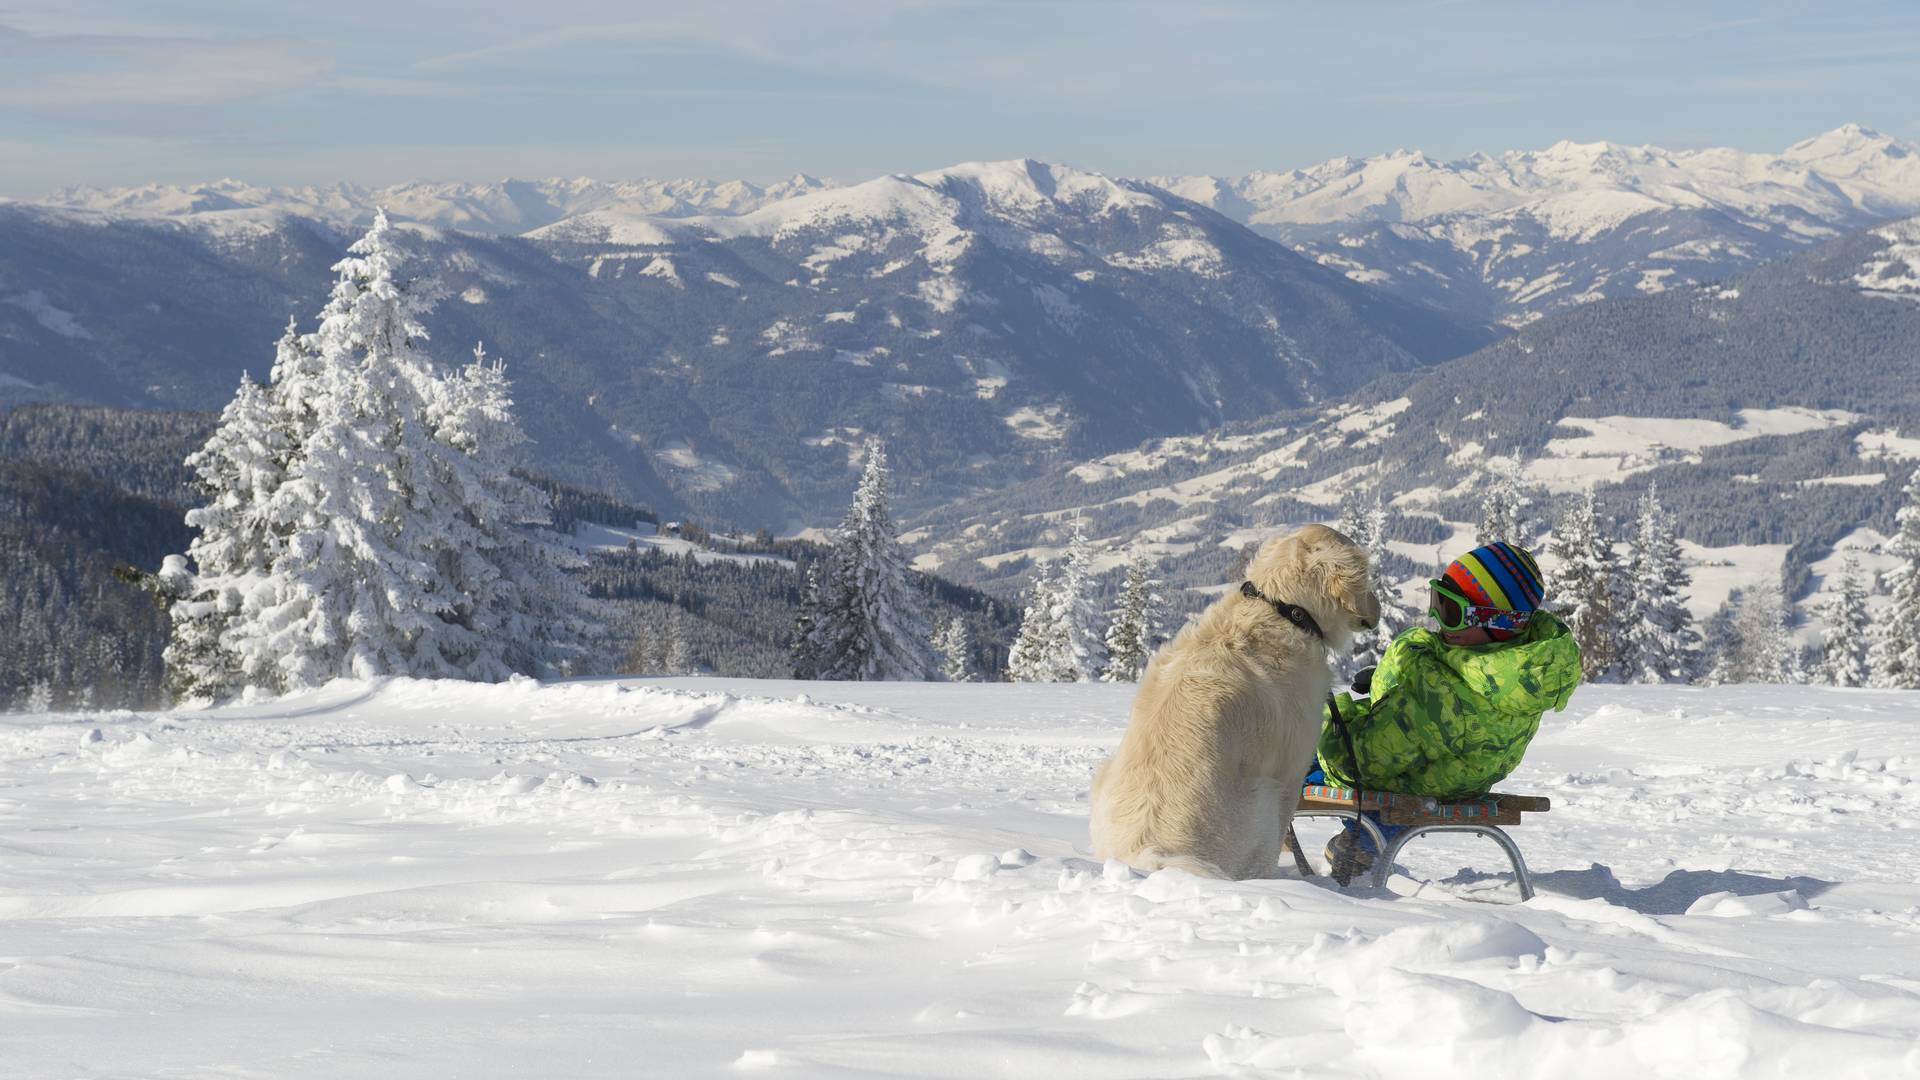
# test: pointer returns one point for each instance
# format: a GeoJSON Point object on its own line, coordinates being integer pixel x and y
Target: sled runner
{"type": "Point", "coordinates": [1483, 816]}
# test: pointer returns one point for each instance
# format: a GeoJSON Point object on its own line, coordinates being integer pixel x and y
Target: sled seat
{"type": "Point", "coordinates": [1484, 816]}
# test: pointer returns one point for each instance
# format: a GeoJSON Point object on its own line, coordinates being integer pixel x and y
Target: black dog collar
{"type": "Point", "coordinates": [1293, 613]}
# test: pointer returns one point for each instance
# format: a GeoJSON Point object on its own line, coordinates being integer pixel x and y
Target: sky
{"type": "Point", "coordinates": [113, 92]}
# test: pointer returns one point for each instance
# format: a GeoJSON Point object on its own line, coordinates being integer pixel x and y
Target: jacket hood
{"type": "Point", "coordinates": [1530, 674]}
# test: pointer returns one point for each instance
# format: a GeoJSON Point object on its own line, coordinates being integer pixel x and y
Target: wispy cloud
{"type": "Point", "coordinates": [1443, 99]}
{"type": "Point", "coordinates": [98, 90]}
{"type": "Point", "coordinates": [89, 71]}
{"type": "Point", "coordinates": [1716, 29]}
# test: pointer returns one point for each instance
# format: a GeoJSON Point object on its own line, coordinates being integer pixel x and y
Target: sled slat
{"type": "Point", "coordinates": [1397, 809]}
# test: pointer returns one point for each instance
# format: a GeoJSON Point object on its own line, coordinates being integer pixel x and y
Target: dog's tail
{"type": "Point", "coordinates": [1147, 860]}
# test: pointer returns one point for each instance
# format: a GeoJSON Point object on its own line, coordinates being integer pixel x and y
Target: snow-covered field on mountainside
{"type": "Point", "coordinates": [694, 877]}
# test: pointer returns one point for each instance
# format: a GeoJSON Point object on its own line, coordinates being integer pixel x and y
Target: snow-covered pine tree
{"type": "Point", "coordinates": [511, 572]}
{"type": "Point", "coordinates": [1758, 649]}
{"type": "Point", "coordinates": [1844, 642]}
{"type": "Point", "coordinates": [1503, 508]}
{"type": "Point", "coordinates": [1075, 615]}
{"type": "Point", "coordinates": [1036, 648]}
{"type": "Point", "coordinates": [1135, 628]}
{"type": "Point", "coordinates": [665, 642]}
{"type": "Point", "coordinates": [355, 587]}
{"type": "Point", "coordinates": [804, 650]}
{"type": "Point", "coordinates": [1584, 585]}
{"type": "Point", "coordinates": [1395, 613]}
{"type": "Point", "coordinates": [955, 646]}
{"type": "Point", "coordinates": [295, 387]}
{"type": "Point", "coordinates": [1717, 643]}
{"type": "Point", "coordinates": [639, 658]}
{"type": "Point", "coordinates": [1894, 659]}
{"type": "Point", "coordinates": [1357, 524]}
{"type": "Point", "coordinates": [680, 660]}
{"type": "Point", "coordinates": [1353, 522]}
{"type": "Point", "coordinates": [237, 472]}
{"type": "Point", "coordinates": [1660, 644]}
{"type": "Point", "coordinates": [872, 623]}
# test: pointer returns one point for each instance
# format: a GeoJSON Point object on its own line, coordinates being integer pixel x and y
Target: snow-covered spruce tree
{"type": "Point", "coordinates": [1035, 653]}
{"type": "Point", "coordinates": [1717, 643]}
{"type": "Point", "coordinates": [679, 658]}
{"type": "Point", "coordinates": [353, 590]}
{"type": "Point", "coordinates": [295, 387]}
{"type": "Point", "coordinates": [237, 472]}
{"type": "Point", "coordinates": [1894, 659]}
{"type": "Point", "coordinates": [1360, 526]}
{"type": "Point", "coordinates": [400, 542]}
{"type": "Point", "coordinates": [639, 657]}
{"type": "Point", "coordinates": [1659, 643]}
{"type": "Point", "coordinates": [872, 624]}
{"type": "Point", "coordinates": [1057, 640]}
{"type": "Point", "coordinates": [804, 651]}
{"type": "Point", "coordinates": [1395, 613]}
{"type": "Point", "coordinates": [512, 574]}
{"type": "Point", "coordinates": [1583, 588]}
{"type": "Point", "coordinates": [1075, 616]}
{"type": "Point", "coordinates": [1503, 508]}
{"type": "Point", "coordinates": [1135, 628]}
{"type": "Point", "coordinates": [1844, 642]}
{"type": "Point", "coordinates": [955, 646]}
{"type": "Point", "coordinates": [664, 642]}
{"type": "Point", "coordinates": [1758, 649]}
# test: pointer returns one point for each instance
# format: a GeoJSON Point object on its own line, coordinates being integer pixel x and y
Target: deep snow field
{"type": "Point", "coordinates": [693, 877]}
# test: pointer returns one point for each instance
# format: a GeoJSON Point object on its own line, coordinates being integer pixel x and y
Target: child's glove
{"type": "Point", "coordinates": [1363, 681]}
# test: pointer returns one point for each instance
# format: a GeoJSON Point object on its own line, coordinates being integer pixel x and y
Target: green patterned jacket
{"type": "Point", "coordinates": [1449, 720]}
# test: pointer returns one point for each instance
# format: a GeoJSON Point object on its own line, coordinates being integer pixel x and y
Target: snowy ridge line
{"type": "Point", "coordinates": [1581, 187]}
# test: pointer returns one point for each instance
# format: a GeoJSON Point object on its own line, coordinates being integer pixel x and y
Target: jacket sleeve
{"type": "Point", "coordinates": [1390, 737]}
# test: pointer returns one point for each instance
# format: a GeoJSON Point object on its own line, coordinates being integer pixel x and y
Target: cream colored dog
{"type": "Point", "coordinates": [1208, 774]}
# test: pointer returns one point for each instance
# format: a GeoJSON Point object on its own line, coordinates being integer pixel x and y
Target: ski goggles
{"type": "Point", "coordinates": [1455, 612]}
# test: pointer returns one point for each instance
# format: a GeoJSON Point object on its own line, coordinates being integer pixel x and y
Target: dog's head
{"type": "Point", "coordinates": [1324, 572]}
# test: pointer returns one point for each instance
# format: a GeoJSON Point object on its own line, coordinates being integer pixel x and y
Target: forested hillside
{"type": "Point", "coordinates": [86, 489]}
{"type": "Point", "coordinates": [76, 635]}
{"type": "Point", "coordinates": [1778, 411]}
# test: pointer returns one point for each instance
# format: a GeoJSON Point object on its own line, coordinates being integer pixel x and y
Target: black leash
{"type": "Point", "coordinates": [1353, 764]}
{"type": "Point", "coordinates": [1346, 740]}
{"type": "Point", "coordinates": [1304, 619]}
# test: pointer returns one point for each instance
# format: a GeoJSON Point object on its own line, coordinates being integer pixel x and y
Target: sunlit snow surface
{"type": "Point", "coordinates": [698, 878]}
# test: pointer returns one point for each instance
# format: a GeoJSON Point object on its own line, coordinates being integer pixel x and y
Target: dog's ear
{"type": "Point", "coordinates": [1344, 571]}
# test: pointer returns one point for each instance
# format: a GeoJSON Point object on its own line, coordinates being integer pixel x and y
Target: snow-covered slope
{"type": "Point", "coordinates": [693, 878]}
{"type": "Point", "coordinates": [1528, 232]}
{"type": "Point", "coordinates": [505, 207]}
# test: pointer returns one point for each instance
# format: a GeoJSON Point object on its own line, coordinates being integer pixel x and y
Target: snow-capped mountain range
{"type": "Point", "coordinates": [992, 317]}
{"type": "Point", "coordinates": [1520, 234]}
{"type": "Point", "coordinates": [508, 207]}
{"type": "Point", "coordinates": [1505, 237]}
{"type": "Point", "coordinates": [724, 346]}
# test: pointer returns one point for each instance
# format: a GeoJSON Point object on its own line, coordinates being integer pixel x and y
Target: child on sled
{"type": "Point", "coordinates": [1448, 713]}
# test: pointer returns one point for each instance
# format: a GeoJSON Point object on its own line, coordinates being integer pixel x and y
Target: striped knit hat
{"type": "Point", "coordinates": [1499, 575]}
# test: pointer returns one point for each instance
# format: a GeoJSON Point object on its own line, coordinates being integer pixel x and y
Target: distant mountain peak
{"type": "Point", "coordinates": [1849, 140]}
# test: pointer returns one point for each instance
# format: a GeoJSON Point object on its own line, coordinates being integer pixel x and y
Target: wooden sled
{"type": "Point", "coordinates": [1483, 816]}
